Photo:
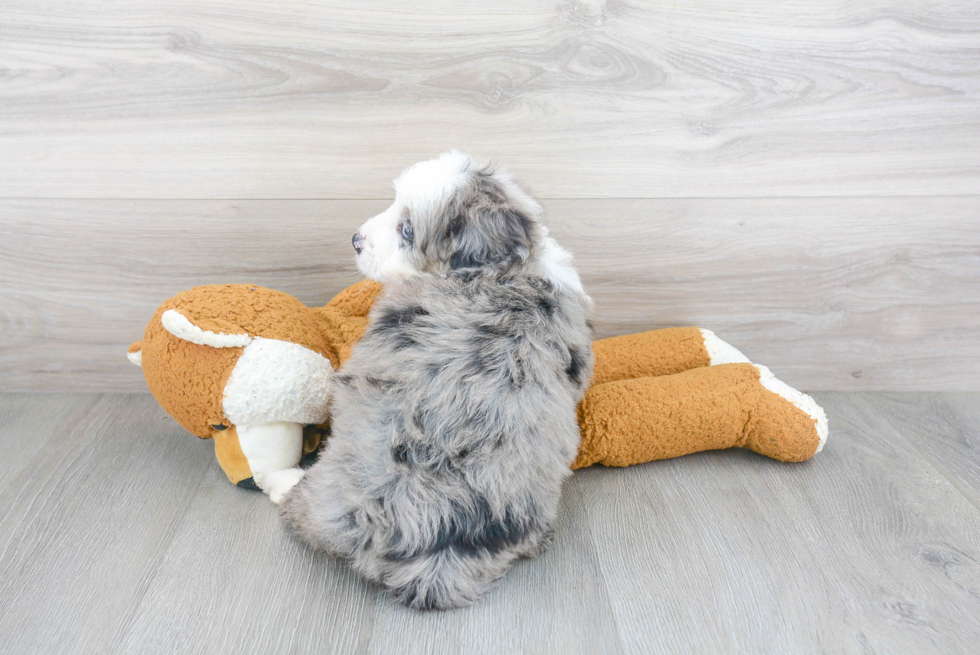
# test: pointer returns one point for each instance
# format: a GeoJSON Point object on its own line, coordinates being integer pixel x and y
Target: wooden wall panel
{"type": "Point", "coordinates": [831, 293]}
{"type": "Point", "coordinates": [583, 99]}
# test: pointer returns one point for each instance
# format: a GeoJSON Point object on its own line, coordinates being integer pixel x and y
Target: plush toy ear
{"type": "Point", "coordinates": [181, 327]}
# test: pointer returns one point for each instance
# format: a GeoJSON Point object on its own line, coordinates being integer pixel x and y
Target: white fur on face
{"type": "Point", "coordinates": [419, 192]}
{"type": "Point", "coordinates": [383, 259]}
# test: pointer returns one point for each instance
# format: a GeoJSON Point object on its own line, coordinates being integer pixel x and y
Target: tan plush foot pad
{"type": "Point", "coordinates": [633, 421]}
{"type": "Point", "coordinates": [230, 456]}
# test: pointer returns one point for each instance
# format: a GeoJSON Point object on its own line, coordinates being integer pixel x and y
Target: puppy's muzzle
{"type": "Point", "coordinates": [358, 242]}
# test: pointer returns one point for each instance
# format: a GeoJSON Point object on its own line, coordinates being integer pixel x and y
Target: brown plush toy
{"type": "Point", "coordinates": [250, 367]}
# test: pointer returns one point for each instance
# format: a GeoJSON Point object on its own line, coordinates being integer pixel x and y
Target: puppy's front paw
{"type": "Point", "coordinates": [277, 484]}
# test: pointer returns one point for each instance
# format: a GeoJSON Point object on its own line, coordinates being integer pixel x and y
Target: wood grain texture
{"type": "Point", "coordinates": [28, 424]}
{"type": "Point", "coordinates": [924, 416]}
{"type": "Point", "coordinates": [122, 535]}
{"type": "Point", "coordinates": [831, 293]}
{"type": "Point", "coordinates": [865, 548]}
{"type": "Point", "coordinates": [234, 581]}
{"type": "Point", "coordinates": [78, 284]}
{"type": "Point", "coordinates": [87, 520]}
{"type": "Point", "coordinates": [583, 98]}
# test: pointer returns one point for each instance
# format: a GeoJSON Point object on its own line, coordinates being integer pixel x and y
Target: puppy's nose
{"type": "Point", "coordinates": [358, 242]}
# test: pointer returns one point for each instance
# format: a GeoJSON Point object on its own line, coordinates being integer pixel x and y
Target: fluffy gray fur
{"type": "Point", "coordinates": [454, 420]}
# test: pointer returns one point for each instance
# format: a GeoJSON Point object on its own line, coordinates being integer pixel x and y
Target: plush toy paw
{"type": "Point", "coordinates": [279, 483]}
{"type": "Point", "coordinates": [786, 424]}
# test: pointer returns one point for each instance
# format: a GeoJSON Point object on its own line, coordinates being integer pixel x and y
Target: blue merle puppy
{"type": "Point", "coordinates": [454, 419]}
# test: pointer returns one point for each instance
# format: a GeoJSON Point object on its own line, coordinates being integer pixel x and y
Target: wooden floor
{"type": "Point", "coordinates": [118, 533]}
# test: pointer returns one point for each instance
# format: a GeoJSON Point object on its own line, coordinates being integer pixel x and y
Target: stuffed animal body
{"type": "Point", "coordinates": [250, 368]}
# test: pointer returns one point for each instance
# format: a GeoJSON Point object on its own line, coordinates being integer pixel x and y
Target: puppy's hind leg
{"type": "Point", "coordinates": [317, 512]}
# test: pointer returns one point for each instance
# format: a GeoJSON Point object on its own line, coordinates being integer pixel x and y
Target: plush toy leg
{"type": "Point", "coordinates": [731, 405]}
{"type": "Point", "coordinates": [660, 352]}
{"type": "Point", "coordinates": [231, 458]}
{"type": "Point", "coordinates": [267, 455]}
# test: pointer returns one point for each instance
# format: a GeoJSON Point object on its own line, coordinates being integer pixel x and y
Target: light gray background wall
{"type": "Point", "coordinates": [803, 177]}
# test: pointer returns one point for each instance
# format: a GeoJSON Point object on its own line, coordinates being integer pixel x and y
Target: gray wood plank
{"type": "Point", "coordinates": [693, 565]}
{"type": "Point", "coordinates": [29, 422]}
{"type": "Point", "coordinates": [79, 280]}
{"type": "Point", "coordinates": [831, 293]}
{"type": "Point", "coordinates": [944, 428]}
{"type": "Point", "coordinates": [584, 99]}
{"type": "Point", "coordinates": [234, 581]}
{"type": "Point", "coordinates": [121, 535]}
{"type": "Point", "coordinates": [865, 548]}
{"type": "Point", "coordinates": [86, 523]}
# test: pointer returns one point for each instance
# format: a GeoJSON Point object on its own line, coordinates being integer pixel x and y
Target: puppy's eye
{"type": "Point", "coordinates": [407, 232]}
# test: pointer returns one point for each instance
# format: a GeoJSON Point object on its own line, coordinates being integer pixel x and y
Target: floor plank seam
{"type": "Point", "coordinates": [954, 480]}
{"type": "Point", "coordinates": [125, 628]}
{"type": "Point", "coordinates": [31, 513]}
{"type": "Point", "coordinates": [620, 644]}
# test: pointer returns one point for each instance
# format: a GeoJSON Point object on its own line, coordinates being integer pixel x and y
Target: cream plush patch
{"type": "Point", "coordinates": [180, 326]}
{"type": "Point", "coordinates": [721, 352]}
{"type": "Point", "coordinates": [277, 381]}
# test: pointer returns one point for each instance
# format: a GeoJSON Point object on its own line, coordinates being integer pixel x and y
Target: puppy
{"type": "Point", "coordinates": [454, 419]}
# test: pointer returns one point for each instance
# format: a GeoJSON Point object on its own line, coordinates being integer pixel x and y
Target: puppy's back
{"type": "Point", "coordinates": [454, 426]}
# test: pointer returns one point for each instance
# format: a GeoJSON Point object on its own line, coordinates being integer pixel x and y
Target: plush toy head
{"type": "Point", "coordinates": [221, 359]}
{"type": "Point", "coordinates": [209, 354]}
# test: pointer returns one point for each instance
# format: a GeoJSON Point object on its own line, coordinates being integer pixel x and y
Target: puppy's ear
{"type": "Point", "coordinates": [485, 231]}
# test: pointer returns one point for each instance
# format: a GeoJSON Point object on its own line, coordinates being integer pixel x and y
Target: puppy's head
{"type": "Point", "coordinates": [453, 215]}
